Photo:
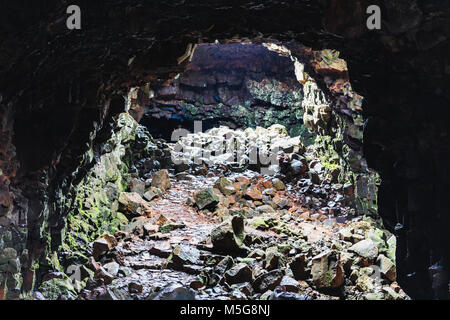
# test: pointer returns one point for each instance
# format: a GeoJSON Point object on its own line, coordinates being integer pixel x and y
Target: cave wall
{"type": "Point", "coordinates": [58, 87]}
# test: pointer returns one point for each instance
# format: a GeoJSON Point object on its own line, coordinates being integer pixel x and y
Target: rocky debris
{"type": "Point", "coordinates": [137, 186]}
{"type": "Point", "coordinates": [225, 186]}
{"type": "Point", "coordinates": [327, 271]}
{"type": "Point", "coordinates": [268, 281]}
{"type": "Point", "coordinates": [206, 198]}
{"type": "Point", "coordinates": [152, 193]}
{"type": "Point", "coordinates": [132, 204]}
{"type": "Point", "coordinates": [239, 273]}
{"type": "Point", "coordinates": [387, 267]}
{"type": "Point", "coordinates": [367, 249]}
{"type": "Point", "coordinates": [278, 184]}
{"type": "Point", "coordinates": [183, 254]}
{"type": "Point", "coordinates": [161, 180]}
{"type": "Point", "coordinates": [228, 237]}
{"type": "Point", "coordinates": [173, 291]}
{"type": "Point", "coordinates": [103, 244]}
{"type": "Point", "coordinates": [254, 148]}
{"type": "Point", "coordinates": [289, 284]}
{"type": "Point", "coordinates": [243, 235]}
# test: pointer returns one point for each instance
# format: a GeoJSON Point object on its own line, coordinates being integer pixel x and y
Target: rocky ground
{"type": "Point", "coordinates": [224, 231]}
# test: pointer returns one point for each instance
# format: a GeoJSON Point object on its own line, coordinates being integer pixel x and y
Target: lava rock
{"type": "Point", "coordinates": [239, 273]}
{"type": "Point", "coordinates": [268, 281]}
{"type": "Point", "coordinates": [206, 199]}
{"type": "Point", "coordinates": [161, 180]}
{"type": "Point", "coordinates": [387, 267]}
{"type": "Point", "coordinates": [228, 237]}
{"type": "Point", "coordinates": [174, 291]}
{"type": "Point", "coordinates": [184, 254]}
{"type": "Point", "coordinates": [327, 271]}
{"type": "Point", "coordinates": [278, 184]}
{"type": "Point", "coordinates": [366, 249]}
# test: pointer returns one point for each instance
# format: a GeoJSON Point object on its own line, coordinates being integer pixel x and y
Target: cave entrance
{"type": "Point", "coordinates": [236, 85]}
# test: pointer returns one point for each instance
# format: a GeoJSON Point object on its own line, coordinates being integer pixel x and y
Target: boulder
{"type": "Point", "coordinates": [274, 259]}
{"type": "Point", "coordinates": [253, 194]}
{"type": "Point", "coordinates": [103, 244]}
{"type": "Point", "coordinates": [138, 186]}
{"type": "Point", "coordinates": [152, 193]}
{"type": "Point", "coordinates": [289, 284]}
{"type": "Point", "coordinates": [225, 186]}
{"type": "Point", "coordinates": [268, 281]}
{"type": "Point", "coordinates": [387, 267]}
{"type": "Point", "coordinates": [298, 267]}
{"type": "Point", "coordinates": [228, 237]}
{"type": "Point", "coordinates": [112, 268]}
{"type": "Point", "coordinates": [161, 180]}
{"type": "Point", "coordinates": [278, 184]}
{"type": "Point", "coordinates": [366, 249]}
{"type": "Point", "coordinates": [326, 270]}
{"type": "Point", "coordinates": [132, 204]}
{"type": "Point", "coordinates": [206, 199]}
{"type": "Point", "coordinates": [184, 254]}
{"type": "Point", "coordinates": [239, 273]}
{"type": "Point", "coordinates": [174, 291]}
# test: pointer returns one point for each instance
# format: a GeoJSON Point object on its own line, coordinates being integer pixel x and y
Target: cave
{"type": "Point", "coordinates": [354, 206]}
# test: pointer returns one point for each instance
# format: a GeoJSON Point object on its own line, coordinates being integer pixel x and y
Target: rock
{"type": "Point", "coordinates": [184, 254]}
{"type": "Point", "coordinates": [281, 202]}
{"type": "Point", "coordinates": [278, 184]}
{"type": "Point", "coordinates": [268, 281]}
{"type": "Point", "coordinates": [257, 254]}
{"type": "Point", "coordinates": [101, 273]}
{"type": "Point", "coordinates": [112, 268]}
{"type": "Point", "coordinates": [225, 186]}
{"type": "Point", "coordinates": [298, 267]}
{"type": "Point", "coordinates": [174, 291]}
{"type": "Point", "coordinates": [366, 249]}
{"type": "Point", "coordinates": [99, 246]}
{"type": "Point", "coordinates": [314, 176]}
{"type": "Point", "coordinates": [228, 237]}
{"type": "Point", "coordinates": [345, 234]}
{"type": "Point", "coordinates": [131, 203]}
{"type": "Point", "coordinates": [138, 186]}
{"type": "Point", "coordinates": [134, 287]}
{"type": "Point", "coordinates": [327, 271]}
{"type": "Point", "coordinates": [387, 267]}
{"type": "Point", "coordinates": [206, 199]}
{"type": "Point", "coordinates": [161, 180]}
{"type": "Point", "coordinates": [265, 209]}
{"type": "Point", "coordinates": [239, 273]}
{"type": "Point", "coordinates": [253, 194]}
{"type": "Point", "coordinates": [274, 259]}
{"type": "Point", "coordinates": [298, 167]}
{"type": "Point", "coordinates": [289, 284]}
{"type": "Point", "coordinates": [225, 264]}
{"type": "Point", "coordinates": [364, 282]}
{"type": "Point", "coordinates": [278, 294]}
{"type": "Point", "coordinates": [152, 193]}
{"type": "Point", "coordinates": [391, 294]}
{"type": "Point", "coordinates": [246, 288]}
